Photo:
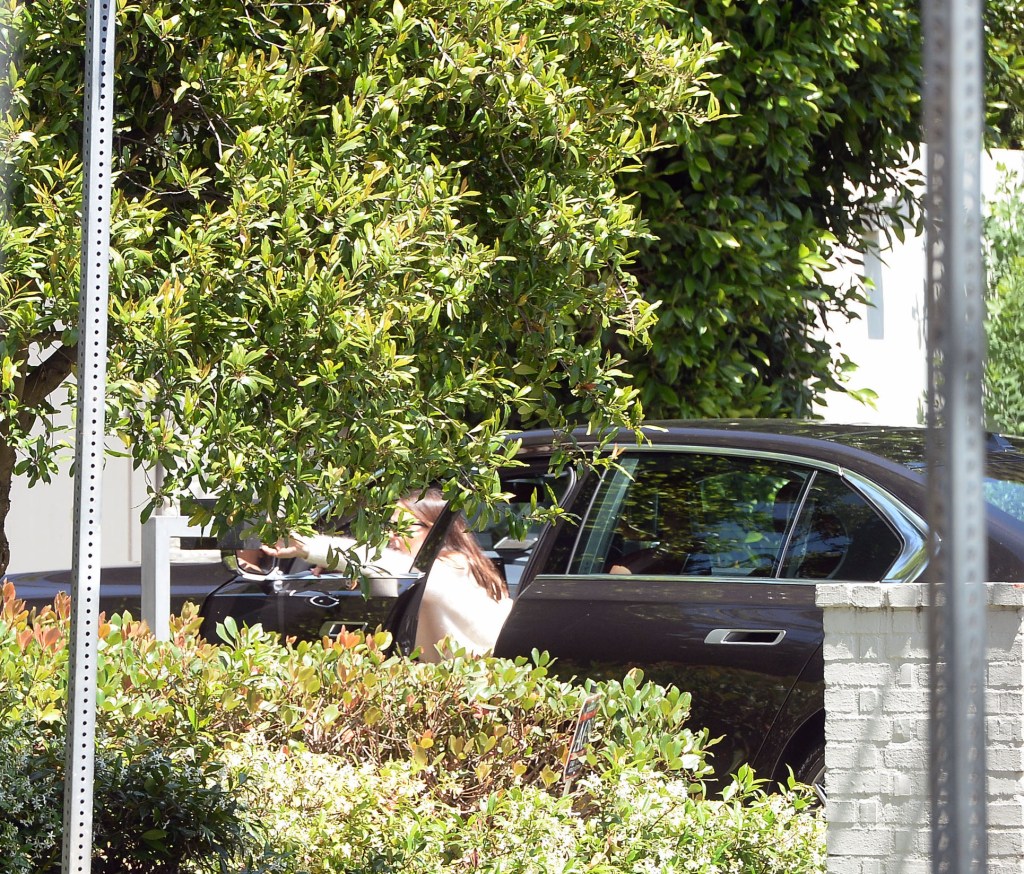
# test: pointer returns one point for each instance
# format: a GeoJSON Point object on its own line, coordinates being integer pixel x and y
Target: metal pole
{"type": "Point", "coordinates": [953, 109]}
{"type": "Point", "coordinates": [91, 379]}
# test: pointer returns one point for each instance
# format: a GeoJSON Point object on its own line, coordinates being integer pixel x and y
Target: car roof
{"type": "Point", "coordinates": [904, 445]}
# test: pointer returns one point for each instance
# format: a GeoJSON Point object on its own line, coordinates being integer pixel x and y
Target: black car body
{"type": "Point", "coordinates": [695, 558]}
{"type": "Point", "coordinates": [121, 585]}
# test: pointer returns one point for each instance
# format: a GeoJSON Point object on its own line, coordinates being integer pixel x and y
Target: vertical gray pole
{"type": "Point", "coordinates": [91, 377]}
{"type": "Point", "coordinates": [953, 108]}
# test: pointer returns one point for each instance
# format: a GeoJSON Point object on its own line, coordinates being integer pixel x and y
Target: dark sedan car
{"type": "Point", "coordinates": [695, 558]}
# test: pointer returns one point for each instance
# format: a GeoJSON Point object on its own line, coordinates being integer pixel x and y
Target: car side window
{"type": "Point", "coordinates": [683, 514]}
{"type": "Point", "coordinates": [507, 537]}
{"type": "Point", "coordinates": [840, 536]}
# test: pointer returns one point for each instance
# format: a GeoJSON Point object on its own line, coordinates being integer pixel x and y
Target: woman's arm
{"type": "Point", "coordinates": [331, 553]}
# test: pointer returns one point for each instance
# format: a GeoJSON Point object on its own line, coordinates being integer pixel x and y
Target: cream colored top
{"type": "Point", "coordinates": [454, 605]}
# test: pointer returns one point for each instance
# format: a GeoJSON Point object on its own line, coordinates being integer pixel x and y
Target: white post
{"type": "Point", "coordinates": [156, 569]}
{"type": "Point", "coordinates": [76, 848]}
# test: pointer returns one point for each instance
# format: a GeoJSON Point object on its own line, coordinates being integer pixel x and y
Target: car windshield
{"type": "Point", "coordinates": [1003, 486]}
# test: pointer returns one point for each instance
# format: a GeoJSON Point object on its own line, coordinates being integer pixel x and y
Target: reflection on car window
{"type": "Point", "coordinates": [508, 537]}
{"type": "Point", "coordinates": [839, 536]}
{"type": "Point", "coordinates": [1004, 485]}
{"type": "Point", "coordinates": [691, 514]}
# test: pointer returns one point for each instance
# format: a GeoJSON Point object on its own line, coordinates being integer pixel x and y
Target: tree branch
{"type": "Point", "coordinates": [43, 379]}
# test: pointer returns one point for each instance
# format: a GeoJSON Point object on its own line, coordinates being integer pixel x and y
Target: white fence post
{"type": "Point", "coordinates": [157, 532]}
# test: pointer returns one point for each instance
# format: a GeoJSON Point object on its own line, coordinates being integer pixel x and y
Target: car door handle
{"type": "Point", "coordinates": [745, 636]}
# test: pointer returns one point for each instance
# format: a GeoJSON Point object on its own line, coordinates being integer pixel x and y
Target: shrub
{"type": "Point", "coordinates": [351, 759]}
{"type": "Point", "coordinates": [157, 812]}
{"type": "Point", "coordinates": [1004, 236]}
{"type": "Point", "coordinates": [163, 802]}
{"type": "Point", "coordinates": [343, 817]}
{"type": "Point", "coordinates": [491, 722]}
{"type": "Point", "coordinates": [30, 796]}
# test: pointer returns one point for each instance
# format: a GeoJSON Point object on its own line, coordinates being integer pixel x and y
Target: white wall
{"type": "Point", "coordinates": [40, 527]}
{"type": "Point", "coordinates": [887, 343]}
{"type": "Point", "coordinates": [877, 737]}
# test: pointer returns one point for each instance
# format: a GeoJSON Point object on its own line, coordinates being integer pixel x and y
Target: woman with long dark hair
{"type": "Point", "coordinates": [465, 599]}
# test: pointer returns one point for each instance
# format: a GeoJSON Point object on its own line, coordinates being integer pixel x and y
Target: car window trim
{"type": "Point", "coordinates": [677, 578]}
{"type": "Point", "coordinates": [909, 526]}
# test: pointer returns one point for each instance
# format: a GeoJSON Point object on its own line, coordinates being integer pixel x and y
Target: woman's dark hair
{"type": "Point", "coordinates": [427, 508]}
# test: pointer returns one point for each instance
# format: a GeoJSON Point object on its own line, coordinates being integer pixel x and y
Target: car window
{"type": "Point", "coordinates": [1004, 484]}
{"type": "Point", "coordinates": [839, 536]}
{"type": "Point", "coordinates": [697, 514]}
{"type": "Point", "coordinates": [690, 514]}
{"type": "Point", "coordinates": [507, 537]}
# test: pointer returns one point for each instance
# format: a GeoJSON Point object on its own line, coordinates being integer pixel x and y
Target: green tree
{"type": "Point", "coordinates": [820, 125]}
{"type": "Point", "coordinates": [352, 241]}
{"type": "Point", "coordinates": [1004, 326]}
{"type": "Point", "coordinates": [814, 152]}
{"type": "Point", "coordinates": [1004, 73]}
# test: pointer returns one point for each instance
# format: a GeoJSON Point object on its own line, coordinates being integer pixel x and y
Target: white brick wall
{"type": "Point", "coordinates": [876, 754]}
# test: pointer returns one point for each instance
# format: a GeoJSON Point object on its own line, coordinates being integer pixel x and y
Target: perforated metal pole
{"type": "Point", "coordinates": [954, 105]}
{"type": "Point", "coordinates": [92, 371]}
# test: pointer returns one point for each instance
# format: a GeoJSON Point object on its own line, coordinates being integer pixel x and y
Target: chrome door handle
{"type": "Point", "coordinates": [333, 629]}
{"type": "Point", "coordinates": [745, 636]}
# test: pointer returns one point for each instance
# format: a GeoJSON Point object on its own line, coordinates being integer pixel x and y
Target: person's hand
{"type": "Point", "coordinates": [249, 560]}
{"type": "Point", "coordinates": [291, 547]}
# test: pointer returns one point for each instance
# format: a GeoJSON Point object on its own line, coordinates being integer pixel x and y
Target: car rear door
{"type": "Point", "coordinates": [677, 569]}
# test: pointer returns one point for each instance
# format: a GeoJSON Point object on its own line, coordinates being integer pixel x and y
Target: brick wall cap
{"type": "Point", "coordinates": [905, 596]}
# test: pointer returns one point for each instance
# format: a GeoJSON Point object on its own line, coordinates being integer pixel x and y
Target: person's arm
{"type": "Point", "coordinates": [316, 550]}
{"type": "Point", "coordinates": [330, 553]}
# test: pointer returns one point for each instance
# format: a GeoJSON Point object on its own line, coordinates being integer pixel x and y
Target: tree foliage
{"type": "Point", "coordinates": [819, 127]}
{"type": "Point", "coordinates": [1004, 261]}
{"type": "Point", "coordinates": [1004, 73]}
{"type": "Point", "coordinates": [814, 153]}
{"type": "Point", "coordinates": [352, 241]}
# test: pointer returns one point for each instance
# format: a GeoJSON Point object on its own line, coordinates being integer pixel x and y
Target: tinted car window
{"type": "Point", "coordinates": [694, 514]}
{"type": "Point", "coordinates": [1004, 484]}
{"type": "Point", "coordinates": [839, 536]}
{"type": "Point", "coordinates": [507, 536]}
{"type": "Point", "coordinates": [691, 514]}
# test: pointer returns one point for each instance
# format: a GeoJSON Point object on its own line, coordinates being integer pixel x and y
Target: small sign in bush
{"type": "Point", "coordinates": [574, 760]}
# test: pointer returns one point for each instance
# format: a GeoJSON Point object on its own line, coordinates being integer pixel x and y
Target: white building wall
{"type": "Point", "coordinates": [887, 343]}
{"type": "Point", "coordinates": [40, 527]}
